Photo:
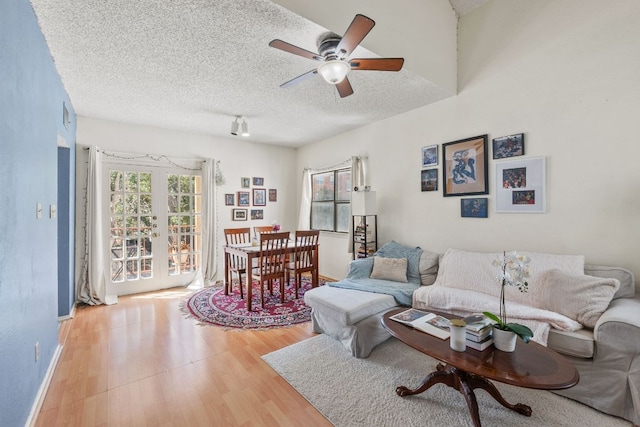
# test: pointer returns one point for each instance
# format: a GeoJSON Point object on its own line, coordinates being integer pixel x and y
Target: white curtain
{"type": "Point", "coordinates": [209, 267]}
{"type": "Point", "coordinates": [304, 220]}
{"type": "Point", "coordinates": [92, 283]}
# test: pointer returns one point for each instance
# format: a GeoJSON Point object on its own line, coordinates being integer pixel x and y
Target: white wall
{"type": "Point", "coordinates": [238, 158]}
{"type": "Point", "coordinates": [565, 73]}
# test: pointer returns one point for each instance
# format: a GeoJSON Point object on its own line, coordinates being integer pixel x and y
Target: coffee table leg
{"type": "Point", "coordinates": [465, 383]}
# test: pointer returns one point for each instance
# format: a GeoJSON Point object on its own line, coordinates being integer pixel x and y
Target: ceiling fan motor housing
{"type": "Point", "coordinates": [327, 48]}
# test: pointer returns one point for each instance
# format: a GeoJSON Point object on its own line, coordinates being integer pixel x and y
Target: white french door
{"type": "Point", "coordinates": [153, 227]}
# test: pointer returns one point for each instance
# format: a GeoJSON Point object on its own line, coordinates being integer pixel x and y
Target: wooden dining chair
{"type": "Point", "coordinates": [271, 263]}
{"type": "Point", "coordinates": [262, 229]}
{"type": "Point", "coordinates": [236, 263]}
{"type": "Point", "coordinates": [304, 259]}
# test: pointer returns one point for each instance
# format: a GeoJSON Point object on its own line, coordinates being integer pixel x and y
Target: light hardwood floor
{"type": "Point", "coordinates": [142, 363]}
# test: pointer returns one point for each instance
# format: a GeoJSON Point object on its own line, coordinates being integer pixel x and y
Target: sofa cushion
{"type": "Point", "coordinates": [578, 343]}
{"type": "Point", "coordinates": [580, 297]}
{"type": "Point", "coordinates": [627, 281]}
{"type": "Point", "coordinates": [428, 267]}
{"type": "Point", "coordinates": [394, 269]}
{"type": "Point", "coordinates": [360, 268]}
{"type": "Point", "coordinates": [475, 271]}
{"type": "Point", "coordinates": [347, 306]}
{"type": "Point", "coordinates": [393, 249]}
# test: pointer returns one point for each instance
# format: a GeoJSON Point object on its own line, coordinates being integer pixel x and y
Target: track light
{"type": "Point", "coordinates": [245, 127]}
{"type": "Point", "coordinates": [234, 126]}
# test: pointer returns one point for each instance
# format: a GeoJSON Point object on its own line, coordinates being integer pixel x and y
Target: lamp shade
{"type": "Point", "coordinates": [334, 71]}
{"type": "Point", "coordinates": [363, 203]}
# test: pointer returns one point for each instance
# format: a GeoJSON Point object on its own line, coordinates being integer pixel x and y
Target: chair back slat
{"type": "Point", "coordinates": [273, 247]}
{"type": "Point", "coordinates": [306, 247]}
{"type": "Point", "coordinates": [235, 236]}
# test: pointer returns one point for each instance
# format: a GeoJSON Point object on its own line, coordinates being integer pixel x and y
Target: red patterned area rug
{"type": "Point", "coordinates": [210, 306]}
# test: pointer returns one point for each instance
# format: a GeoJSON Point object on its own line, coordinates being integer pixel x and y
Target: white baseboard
{"type": "Point", "coordinates": [68, 316]}
{"type": "Point", "coordinates": [42, 392]}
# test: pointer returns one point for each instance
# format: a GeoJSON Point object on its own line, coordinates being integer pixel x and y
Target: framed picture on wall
{"type": "Point", "coordinates": [429, 156]}
{"type": "Point", "coordinates": [257, 214]}
{"type": "Point", "coordinates": [245, 182]}
{"type": "Point", "coordinates": [239, 214]}
{"type": "Point", "coordinates": [229, 200]}
{"type": "Point", "coordinates": [521, 186]}
{"type": "Point", "coordinates": [464, 170]}
{"type": "Point", "coordinates": [273, 195]}
{"type": "Point", "coordinates": [508, 146]}
{"type": "Point", "coordinates": [429, 180]}
{"type": "Point", "coordinates": [259, 197]}
{"type": "Point", "coordinates": [474, 208]}
{"type": "Point", "coordinates": [258, 181]}
{"type": "Point", "coordinates": [243, 198]}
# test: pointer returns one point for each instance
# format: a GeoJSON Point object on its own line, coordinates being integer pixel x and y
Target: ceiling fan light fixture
{"type": "Point", "coordinates": [334, 71]}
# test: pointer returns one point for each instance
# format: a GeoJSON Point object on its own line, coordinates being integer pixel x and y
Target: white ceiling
{"type": "Point", "coordinates": [194, 65]}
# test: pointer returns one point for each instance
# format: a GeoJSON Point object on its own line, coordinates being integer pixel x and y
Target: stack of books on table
{"type": "Point", "coordinates": [479, 335]}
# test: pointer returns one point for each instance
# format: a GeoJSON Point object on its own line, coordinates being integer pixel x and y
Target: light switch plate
{"type": "Point", "coordinates": [53, 210]}
{"type": "Point", "coordinates": [38, 210]}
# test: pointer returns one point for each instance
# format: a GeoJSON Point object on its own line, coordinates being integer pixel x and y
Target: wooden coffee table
{"type": "Point", "coordinates": [530, 365]}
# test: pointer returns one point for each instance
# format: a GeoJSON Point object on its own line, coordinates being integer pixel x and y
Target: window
{"type": "Point", "coordinates": [330, 200]}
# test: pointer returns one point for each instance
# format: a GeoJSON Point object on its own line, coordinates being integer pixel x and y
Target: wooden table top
{"type": "Point", "coordinates": [531, 365]}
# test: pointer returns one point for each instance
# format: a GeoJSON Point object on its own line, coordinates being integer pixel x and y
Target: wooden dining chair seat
{"type": "Point", "coordinates": [304, 258]}
{"type": "Point", "coordinates": [236, 264]}
{"type": "Point", "coordinates": [271, 263]}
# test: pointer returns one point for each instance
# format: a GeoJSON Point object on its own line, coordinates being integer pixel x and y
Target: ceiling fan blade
{"type": "Point", "coordinates": [377, 64]}
{"type": "Point", "coordinates": [300, 78]}
{"type": "Point", "coordinates": [358, 29]}
{"type": "Point", "coordinates": [288, 47]}
{"type": "Point", "coordinates": [344, 88]}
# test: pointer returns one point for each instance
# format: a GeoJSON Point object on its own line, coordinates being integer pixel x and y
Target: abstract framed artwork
{"type": "Point", "coordinates": [508, 146]}
{"type": "Point", "coordinates": [464, 170]}
{"type": "Point", "coordinates": [429, 156]}
{"type": "Point", "coordinates": [429, 180]}
{"type": "Point", "coordinates": [474, 208]}
{"type": "Point", "coordinates": [239, 214]}
{"type": "Point", "coordinates": [521, 186]}
{"type": "Point", "coordinates": [229, 200]}
{"type": "Point", "coordinates": [259, 197]}
{"type": "Point", "coordinates": [243, 198]}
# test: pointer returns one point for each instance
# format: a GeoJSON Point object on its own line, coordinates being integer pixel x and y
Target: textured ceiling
{"type": "Point", "coordinates": [194, 65]}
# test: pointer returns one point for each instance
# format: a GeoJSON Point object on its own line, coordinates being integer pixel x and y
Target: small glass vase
{"type": "Point", "coordinates": [504, 340]}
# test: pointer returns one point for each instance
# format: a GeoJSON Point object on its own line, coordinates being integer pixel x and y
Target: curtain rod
{"type": "Point", "coordinates": [337, 165]}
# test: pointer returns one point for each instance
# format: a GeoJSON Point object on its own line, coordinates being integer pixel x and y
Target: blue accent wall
{"type": "Point", "coordinates": [31, 99]}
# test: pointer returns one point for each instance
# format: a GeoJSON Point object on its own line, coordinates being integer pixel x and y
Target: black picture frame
{"type": "Point", "coordinates": [429, 180]}
{"type": "Point", "coordinates": [476, 207]}
{"type": "Point", "coordinates": [465, 167]}
{"type": "Point", "coordinates": [229, 199]}
{"type": "Point", "coordinates": [508, 146]}
{"type": "Point", "coordinates": [239, 214]}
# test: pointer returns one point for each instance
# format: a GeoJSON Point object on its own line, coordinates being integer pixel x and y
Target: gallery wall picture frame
{"type": "Point", "coordinates": [429, 180]}
{"type": "Point", "coordinates": [521, 185]}
{"type": "Point", "coordinates": [239, 214]}
{"type": "Point", "coordinates": [259, 197]}
{"type": "Point", "coordinates": [475, 207]}
{"type": "Point", "coordinates": [245, 182]}
{"type": "Point", "coordinates": [273, 195]}
{"type": "Point", "coordinates": [508, 146]}
{"type": "Point", "coordinates": [429, 156]}
{"type": "Point", "coordinates": [243, 198]}
{"type": "Point", "coordinates": [465, 167]}
{"type": "Point", "coordinates": [258, 181]}
{"type": "Point", "coordinates": [257, 214]}
{"type": "Point", "coordinates": [229, 199]}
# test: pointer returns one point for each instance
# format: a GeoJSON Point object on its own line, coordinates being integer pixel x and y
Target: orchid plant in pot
{"type": "Point", "coordinates": [514, 269]}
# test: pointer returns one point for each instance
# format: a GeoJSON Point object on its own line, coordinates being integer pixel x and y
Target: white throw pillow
{"type": "Point", "coordinates": [394, 269]}
{"type": "Point", "coordinates": [579, 297]}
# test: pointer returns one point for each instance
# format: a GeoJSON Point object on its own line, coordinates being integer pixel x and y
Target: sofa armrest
{"type": "Point", "coordinates": [623, 313]}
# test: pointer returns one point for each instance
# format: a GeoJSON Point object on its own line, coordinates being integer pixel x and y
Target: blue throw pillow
{"type": "Point", "coordinates": [360, 268]}
{"type": "Point", "coordinates": [396, 250]}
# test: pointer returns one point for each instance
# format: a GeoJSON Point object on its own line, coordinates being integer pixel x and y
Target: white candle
{"type": "Point", "coordinates": [457, 341]}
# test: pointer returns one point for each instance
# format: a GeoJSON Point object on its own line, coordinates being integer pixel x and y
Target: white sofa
{"type": "Point", "coordinates": [606, 354]}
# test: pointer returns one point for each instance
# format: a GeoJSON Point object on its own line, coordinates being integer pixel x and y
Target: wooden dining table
{"type": "Point", "coordinates": [250, 252]}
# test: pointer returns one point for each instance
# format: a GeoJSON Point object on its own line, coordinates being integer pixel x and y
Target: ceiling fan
{"type": "Point", "coordinates": [334, 52]}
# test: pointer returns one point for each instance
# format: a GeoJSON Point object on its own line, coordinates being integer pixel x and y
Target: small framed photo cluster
{"type": "Point", "coordinates": [249, 196]}
{"type": "Point", "coordinates": [429, 177]}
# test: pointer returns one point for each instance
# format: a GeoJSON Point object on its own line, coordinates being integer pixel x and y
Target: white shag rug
{"type": "Point", "coordinates": [361, 392]}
